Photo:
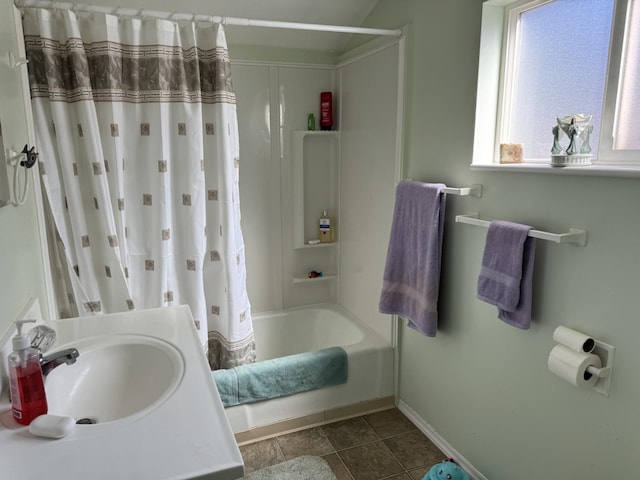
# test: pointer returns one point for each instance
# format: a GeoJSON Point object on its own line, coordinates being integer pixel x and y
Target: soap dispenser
{"type": "Point", "coordinates": [326, 228]}
{"type": "Point", "coordinates": [28, 398]}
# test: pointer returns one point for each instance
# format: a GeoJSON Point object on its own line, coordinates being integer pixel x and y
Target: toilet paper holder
{"type": "Point", "coordinates": [580, 342]}
{"type": "Point", "coordinates": [602, 372]}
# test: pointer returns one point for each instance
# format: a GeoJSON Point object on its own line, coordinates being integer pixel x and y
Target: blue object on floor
{"type": "Point", "coordinates": [282, 376]}
{"type": "Point", "coordinates": [447, 470]}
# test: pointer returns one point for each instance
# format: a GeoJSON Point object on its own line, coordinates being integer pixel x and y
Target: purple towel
{"type": "Point", "coordinates": [507, 270]}
{"type": "Point", "coordinates": [412, 271]}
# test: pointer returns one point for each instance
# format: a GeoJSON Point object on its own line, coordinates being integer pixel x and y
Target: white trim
{"type": "Point", "coordinates": [489, 80]}
{"type": "Point", "coordinates": [399, 175]}
{"type": "Point", "coordinates": [368, 53]}
{"type": "Point", "coordinates": [615, 71]}
{"type": "Point", "coordinates": [399, 164]}
{"type": "Point", "coordinates": [369, 48]}
{"type": "Point", "coordinates": [275, 159]}
{"type": "Point", "coordinates": [439, 442]}
{"type": "Point", "coordinates": [243, 22]}
{"type": "Point", "coordinates": [616, 171]}
{"type": "Point", "coordinates": [276, 63]}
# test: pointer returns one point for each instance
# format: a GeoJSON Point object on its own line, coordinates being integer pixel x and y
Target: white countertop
{"type": "Point", "coordinates": [187, 436]}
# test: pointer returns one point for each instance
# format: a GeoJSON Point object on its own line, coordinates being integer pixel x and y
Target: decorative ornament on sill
{"type": "Point", "coordinates": [578, 129]}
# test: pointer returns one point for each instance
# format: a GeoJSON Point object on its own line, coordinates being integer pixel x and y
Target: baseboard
{"type": "Point", "coordinates": [438, 441]}
{"type": "Point", "coordinates": [313, 420]}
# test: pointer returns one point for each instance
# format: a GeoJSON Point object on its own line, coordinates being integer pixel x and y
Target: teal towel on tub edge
{"type": "Point", "coordinates": [280, 377]}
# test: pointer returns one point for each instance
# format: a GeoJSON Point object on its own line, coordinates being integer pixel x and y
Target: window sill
{"type": "Point", "coordinates": [632, 171]}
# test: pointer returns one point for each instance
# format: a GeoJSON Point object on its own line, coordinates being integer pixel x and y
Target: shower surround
{"type": "Point", "coordinates": [274, 101]}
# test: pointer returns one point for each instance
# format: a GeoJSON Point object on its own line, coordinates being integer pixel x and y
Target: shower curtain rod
{"type": "Point", "coordinates": [244, 22]}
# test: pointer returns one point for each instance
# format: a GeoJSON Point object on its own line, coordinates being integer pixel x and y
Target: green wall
{"type": "Point", "coordinates": [21, 265]}
{"type": "Point", "coordinates": [481, 384]}
{"type": "Point", "coordinates": [21, 271]}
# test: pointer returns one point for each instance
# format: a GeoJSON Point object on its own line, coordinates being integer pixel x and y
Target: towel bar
{"type": "Point", "coordinates": [473, 191]}
{"type": "Point", "coordinates": [574, 236]}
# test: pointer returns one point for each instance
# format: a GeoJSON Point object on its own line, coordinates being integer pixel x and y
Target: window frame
{"type": "Point", "coordinates": [612, 94]}
{"type": "Point", "coordinates": [497, 41]}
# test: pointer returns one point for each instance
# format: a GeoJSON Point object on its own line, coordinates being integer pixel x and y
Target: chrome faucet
{"type": "Point", "coordinates": [49, 362]}
{"type": "Point", "coordinates": [42, 338]}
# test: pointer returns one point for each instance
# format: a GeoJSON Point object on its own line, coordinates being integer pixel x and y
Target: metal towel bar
{"type": "Point", "coordinates": [574, 236]}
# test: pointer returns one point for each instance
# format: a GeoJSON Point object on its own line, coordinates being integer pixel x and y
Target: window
{"type": "Point", "coordinates": [543, 59]}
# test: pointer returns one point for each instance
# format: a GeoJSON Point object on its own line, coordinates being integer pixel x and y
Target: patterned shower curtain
{"type": "Point", "coordinates": [137, 132]}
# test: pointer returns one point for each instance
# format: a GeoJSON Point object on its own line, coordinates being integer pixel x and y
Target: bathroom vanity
{"type": "Point", "coordinates": [144, 389]}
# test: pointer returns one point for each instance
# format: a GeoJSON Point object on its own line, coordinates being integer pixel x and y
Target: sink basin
{"type": "Point", "coordinates": [115, 377]}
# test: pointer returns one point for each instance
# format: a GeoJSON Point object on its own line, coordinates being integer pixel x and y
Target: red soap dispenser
{"type": "Point", "coordinates": [28, 398]}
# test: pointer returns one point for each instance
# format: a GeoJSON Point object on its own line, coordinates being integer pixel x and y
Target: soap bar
{"type": "Point", "coordinates": [52, 426]}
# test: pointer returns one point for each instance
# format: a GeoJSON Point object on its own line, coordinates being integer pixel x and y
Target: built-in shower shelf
{"type": "Point", "coordinates": [323, 278]}
{"type": "Point", "coordinates": [320, 133]}
{"type": "Point", "coordinates": [317, 245]}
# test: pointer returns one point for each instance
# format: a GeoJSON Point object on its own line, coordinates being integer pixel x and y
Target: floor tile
{"type": "Point", "coordinates": [389, 422]}
{"type": "Point", "coordinates": [261, 454]}
{"type": "Point", "coordinates": [419, 473]}
{"type": "Point", "coordinates": [414, 450]}
{"type": "Point", "coordinates": [349, 433]}
{"type": "Point", "coordinates": [379, 446]}
{"type": "Point", "coordinates": [307, 442]}
{"type": "Point", "coordinates": [371, 461]}
{"type": "Point", "coordinates": [339, 469]}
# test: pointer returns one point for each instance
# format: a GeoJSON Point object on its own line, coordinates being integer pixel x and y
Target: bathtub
{"type": "Point", "coordinates": [305, 329]}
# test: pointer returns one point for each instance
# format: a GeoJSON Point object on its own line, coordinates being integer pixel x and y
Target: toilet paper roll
{"type": "Point", "coordinates": [574, 340]}
{"type": "Point", "coordinates": [571, 366]}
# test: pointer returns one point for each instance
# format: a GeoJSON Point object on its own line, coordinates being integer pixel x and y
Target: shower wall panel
{"type": "Point", "coordinates": [299, 95]}
{"type": "Point", "coordinates": [370, 162]}
{"type": "Point", "coordinates": [259, 187]}
{"type": "Point", "coordinates": [273, 101]}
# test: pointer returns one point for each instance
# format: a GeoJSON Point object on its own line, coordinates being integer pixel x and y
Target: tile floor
{"type": "Point", "coordinates": [376, 446]}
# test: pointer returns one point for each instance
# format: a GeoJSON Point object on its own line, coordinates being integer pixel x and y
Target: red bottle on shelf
{"type": "Point", "coordinates": [326, 111]}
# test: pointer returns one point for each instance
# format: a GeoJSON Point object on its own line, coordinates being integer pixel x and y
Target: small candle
{"type": "Point", "coordinates": [511, 152]}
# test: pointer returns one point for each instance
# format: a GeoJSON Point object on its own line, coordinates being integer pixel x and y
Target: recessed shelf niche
{"type": "Point", "coordinates": [315, 176]}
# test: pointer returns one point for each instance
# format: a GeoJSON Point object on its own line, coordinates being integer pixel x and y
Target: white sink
{"type": "Point", "coordinates": [143, 377]}
{"type": "Point", "coordinates": [115, 377]}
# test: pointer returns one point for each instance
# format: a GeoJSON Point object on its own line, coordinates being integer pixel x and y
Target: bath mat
{"type": "Point", "coordinates": [306, 467]}
{"type": "Point", "coordinates": [282, 376]}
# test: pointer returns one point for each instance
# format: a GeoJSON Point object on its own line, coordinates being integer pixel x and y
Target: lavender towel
{"type": "Point", "coordinates": [507, 270]}
{"type": "Point", "coordinates": [412, 271]}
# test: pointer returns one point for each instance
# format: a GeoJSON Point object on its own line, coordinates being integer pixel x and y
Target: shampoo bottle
{"type": "Point", "coordinates": [326, 111]}
{"type": "Point", "coordinates": [326, 228]}
{"type": "Point", "coordinates": [28, 398]}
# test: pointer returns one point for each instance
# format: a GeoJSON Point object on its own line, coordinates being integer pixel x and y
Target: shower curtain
{"type": "Point", "coordinates": [137, 133]}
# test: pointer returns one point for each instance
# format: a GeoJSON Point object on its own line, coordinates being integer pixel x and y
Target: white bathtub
{"type": "Point", "coordinates": [312, 328]}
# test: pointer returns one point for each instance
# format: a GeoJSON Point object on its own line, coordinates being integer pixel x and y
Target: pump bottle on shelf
{"type": "Point", "coordinates": [28, 397]}
{"type": "Point", "coordinates": [326, 228]}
